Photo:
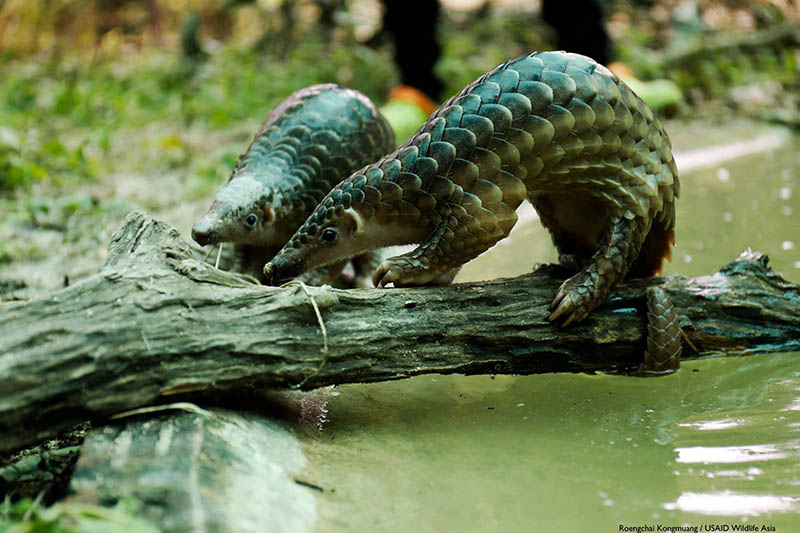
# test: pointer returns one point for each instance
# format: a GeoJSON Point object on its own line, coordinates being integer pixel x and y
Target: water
{"type": "Point", "coordinates": [716, 443]}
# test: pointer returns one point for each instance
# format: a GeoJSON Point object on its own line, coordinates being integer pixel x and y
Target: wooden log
{"type": "Point", "coordinates": [156, 326]}
{"type": "Point", "coordinates": [194, 469]}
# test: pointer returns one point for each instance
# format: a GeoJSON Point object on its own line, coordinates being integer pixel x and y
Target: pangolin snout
{"type": "Point", "coordinates": [278, 272]}
{"type": "Point", "coordinates": [268, 276]}
{"type": "Point", "coordinates": [271, 275]}
{"type": "Point", "coordinates": [203, 234]}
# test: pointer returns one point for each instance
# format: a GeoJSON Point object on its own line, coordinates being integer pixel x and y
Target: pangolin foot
{"type": "Point", "coordinates": [663, 354]}
{"type": "Point", "coordinates": [404, 271]}
{"type": "Point", "coordinates": [574, 300]}
{"type": "Point", "coordinates": [399, 271]}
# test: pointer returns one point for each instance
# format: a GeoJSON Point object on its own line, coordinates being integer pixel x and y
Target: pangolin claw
{"type": "Point", "coordinates": [386, 273]}
{"type": "Point", "coordinates": [570, 301]}
{"type": "Point", "coordinates": [402, 272]}
{"type": "Point", "coordinates": [378, 277]}
{"type": "Point", "coordinates": [567, 307]}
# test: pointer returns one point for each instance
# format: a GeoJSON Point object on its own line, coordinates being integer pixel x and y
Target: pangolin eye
{"type": "Point", "coordinates": [328, 235]}
{"type": "Point", "coordinates": [250, 220]}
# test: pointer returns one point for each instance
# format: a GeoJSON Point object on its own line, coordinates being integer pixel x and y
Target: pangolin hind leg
{"type": "Point", "coordinates": [587, 289]}
{"type": "Point", "coordinates": [664, 345]}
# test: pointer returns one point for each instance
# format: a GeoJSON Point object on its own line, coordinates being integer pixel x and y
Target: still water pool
{"type": "Point", "coordinates": [716, 444]}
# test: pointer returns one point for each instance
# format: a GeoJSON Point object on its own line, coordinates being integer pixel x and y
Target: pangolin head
{"type": "Point", "coordinates": [334, 231]}
{"type": "Point", "coordinates": [242, 213]}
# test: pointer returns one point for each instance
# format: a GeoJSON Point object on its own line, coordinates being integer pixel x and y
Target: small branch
{"type": "Point", "coordinates": [157, 326]}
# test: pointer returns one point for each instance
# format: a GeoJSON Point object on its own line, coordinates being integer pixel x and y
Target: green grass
{"type": "Point", "coordinates": [75, 117]}
{"type": "Point", "coordinates": [79, 117]}
{"type": "Point", "coordinates": [26, 516]}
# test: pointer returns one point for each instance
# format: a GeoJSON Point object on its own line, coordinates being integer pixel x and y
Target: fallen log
{"type": "Point", "coordinates": [156, 325]}
{"type": "Point", "coordinates": [195, 469]}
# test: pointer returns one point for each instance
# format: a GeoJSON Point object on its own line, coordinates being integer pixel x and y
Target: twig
{"type": "Point", "coordinates": [208, 253]}
{"type": "Point", "coordinates": [321, 327]}
{"type": "Point", "coordinates": [219, 254]}
{"type": "Point", "coordinates": [183, 406]}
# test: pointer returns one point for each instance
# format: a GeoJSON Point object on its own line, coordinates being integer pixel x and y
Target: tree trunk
{"type": "Point", "coordinates": [156, 325]}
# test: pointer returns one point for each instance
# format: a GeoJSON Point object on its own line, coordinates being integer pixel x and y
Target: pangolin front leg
{"type": "Point", "coordinates": [465, 230]}
{"type": "Point", "coordinates": [424, 265]}
{"type": "Point", "coordinates": [582, 293]}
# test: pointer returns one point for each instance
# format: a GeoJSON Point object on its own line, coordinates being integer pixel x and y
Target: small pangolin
{"type": "Point", "coordinates": [309, 142]}
{"type": "Point", "coordinates": [553, 127]}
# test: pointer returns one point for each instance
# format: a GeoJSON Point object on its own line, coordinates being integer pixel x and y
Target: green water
{"type": "Point", "coordinates": [716, 443]}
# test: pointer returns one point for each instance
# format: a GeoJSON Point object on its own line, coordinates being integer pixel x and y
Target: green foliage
{"type": "Point", "coordinates": [715, 74]}
{"type": "Point", "coordinates": [73, 119]}
{"type": "Point", "coordinates": [467, 52]}
{"type": "Point", "coordinates": [404, 117]}
{"type": "Point", "coordinates": [77, 116]}
{"type": "Point", "coordinates": [16, 171]}
{"type": "Point", "coordinates": [26, 516]}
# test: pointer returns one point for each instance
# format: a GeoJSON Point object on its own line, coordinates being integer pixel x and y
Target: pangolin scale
{"type": "Point", "coordinates": [308, 143]}
{"type": "Point", "coordinates": [553, 127]}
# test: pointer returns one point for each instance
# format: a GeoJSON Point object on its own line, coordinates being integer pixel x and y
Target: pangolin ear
{"type": "Point", "coordinates": [357, 221]}
{"type": "Point", "coordinates": [268, 214]}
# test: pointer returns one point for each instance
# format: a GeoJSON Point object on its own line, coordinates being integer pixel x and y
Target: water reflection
{"type": "Point", "coordinates": [728, 503]}
{"type": "Point", "coordinates": [734, 454]}
{"type": "Point", "coordinates": [713, 424]}
{"type": "Point", "coordinates": [735, 196]}
{"type": "Point", "coordinates": [710, 156]}
{"type": "Point", "coordinates": [474, 453]}
{"type": "Point", "coordinates": [760, 442]}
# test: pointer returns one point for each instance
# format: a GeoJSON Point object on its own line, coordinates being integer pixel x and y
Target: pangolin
{"type": "Point", "coordinates": [308, 143]}
{"type": "Point", "coordinates": [556, 128]}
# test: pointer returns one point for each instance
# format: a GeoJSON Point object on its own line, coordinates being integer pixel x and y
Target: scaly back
{"type": "Point", "coordinates": [311, 141]}
{"type": "Point", "coordinates": [543, 123]}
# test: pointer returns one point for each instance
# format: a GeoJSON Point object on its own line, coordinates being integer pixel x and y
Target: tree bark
{"type": "Point", "coordinates": [195, 469]}
{"type": "Point", "coordinates": [156, 325]}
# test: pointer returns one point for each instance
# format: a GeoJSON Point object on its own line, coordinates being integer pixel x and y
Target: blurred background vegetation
{"type": "Point", "coordinates": [89, 87]}
{"type": "Point", "coordinates": [107, 105]}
